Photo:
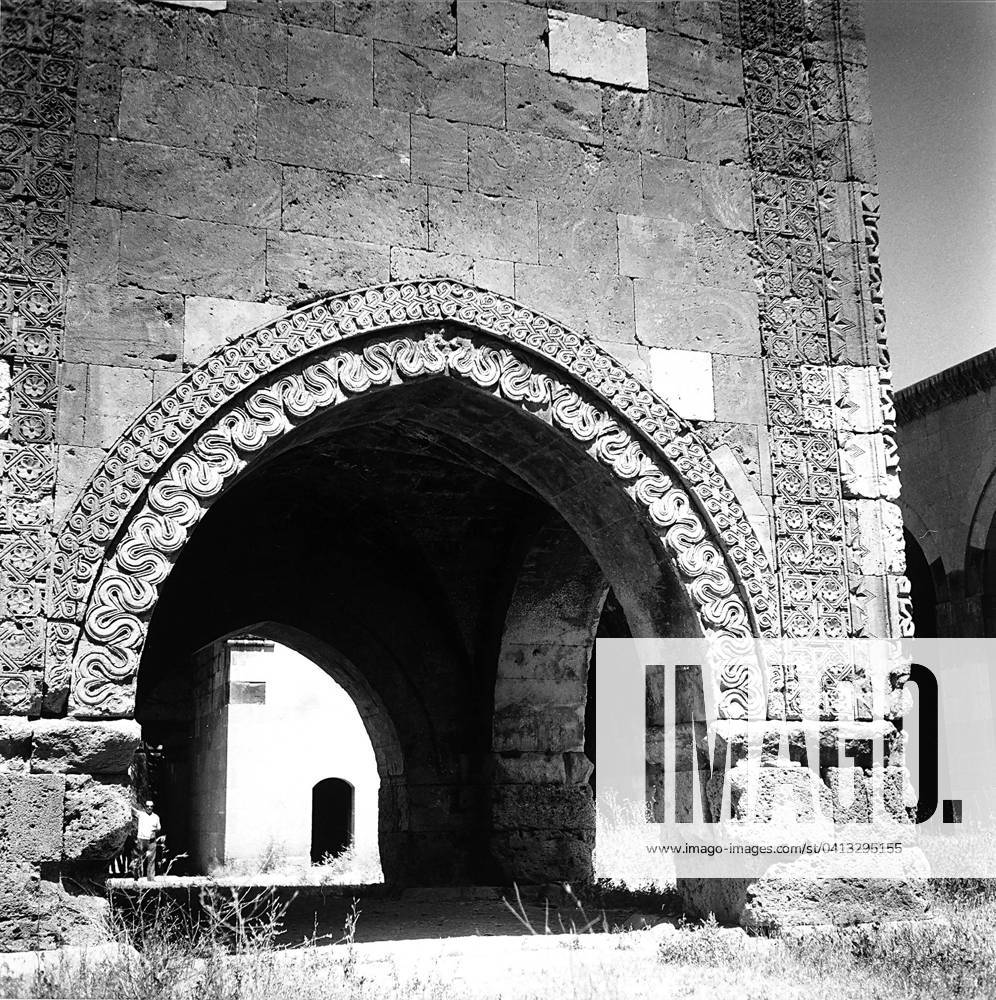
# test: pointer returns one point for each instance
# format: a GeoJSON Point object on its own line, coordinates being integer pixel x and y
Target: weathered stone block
{"type": "Point", "coordinates": [656, 15]}
{"type": "Point", "coordinates": [727, 197]}
{"type": "Point", "coordinates": [503, 32]}
{"type": "Point", "coordinates": [98, 818]}
{"type": "Point", "coordinates": [739, 389]}
{"type": "Point", "coordinates": [716, 133]}
{"type": "Point", "coordinates": [75, 466]}
{"type": "Point", "coordinates": [697, 318]}
{"type": "Point", "coordinates": [210, 322]}
{"type": "Point", "coordinates": [429, 24]}
{"type": "Point", "coordinates": [542, 807]}
{"type": "Point", "coordinates": [85, 168]}
{"type": "Point", "coordinates": [36, 913]}
{"type": "Point", "coordinates": [578, 239]}
{"type": "Point", "coordinates": [439, 152]}
{"type": "Point", "coordinates": [72, 404]}
{"type": "Point", "coordinates": [132, 35]}
{"type": "Point", "coordinates": [111, 324]}
{"type": "Point", "coordinates": [539, 693]}
{"type": "Point", "coordinates": [864, 468]}
{"type": "Point", "coordinates": [242, 50]}
{"type": "Point", "coordinates": [458, 88]}
{"type": "Point", "coordinates": [527, 166]}
{"type": "Point", "coordinates": [529, 768]}
{"type": "Point", "coordinates": [782, 902]}
{"type": "Point", "coordinates": [543, 856]}
{"type": "Point", "coordinates": [64, 746]}
{"type": "Point", "coordinates": [482, 226]}
{"type": "Point", "coordinates": [644, 121]}
{"type": "Point", "coordinates": [699, 19]}
{"type": "Point", "coordinates": [189, 256]}
{"type": "Point", "coordinates": [521, 728]}
{"type": "Point", "coordinates": [590, 49]}
{"type": "Point", "coordinates": [98, 98]}
{"type": "Point", "coordinates": [374, 142]}
{"type": "Point", "coordinates": [31, 816]}
{"type": "Point", "coordinates": [672, 189]}
{"type": "Point", "coordinates": [725, 258]}
{"type": "Point", "coordinates": [546, 658]}
{"type": "Point", "coordinates": [840, 211]}
{"type": "Point", "coordinates": [577, 768]}
{"type": "Point", "coordinates": [764, 794]}
{"type": "Point", "coordinates": [599, 304]}
{"type": "Point", "coordinates": [857, 398]}
{"type": "Point", "coordinates": [848, 795]}
{"type": "Point", "coordinates": [416, 265]}
{"type": "Point", "coordinates": [536, 101]}
{"type": "Point", "coordinates": [15, 743]}
{"type": "Point", "coordinates": [703, 70]}
{"type": "Point", "coordinates": [355, 208]}
{"type": "Point", "coordinates": [188, 185]}
{"type": "Point", "coordinates": [114, 398]}
{"type": "Point", "coordinates": [93, 243]}
{"type": "Point", "coordinates": [656, 248]}
{"type": "Point", "coordinates": [874, 537]}
{"type": "Point", "coordinates": [299, 265]}
{"type": "Point", "coordinates": [207, 116]}
{"type": "Point", "coordinates": [334, 66]}
{"type": "Point", "coordinates": [684, 380]}
{"type": "Point", "coordinates": [495, 275]}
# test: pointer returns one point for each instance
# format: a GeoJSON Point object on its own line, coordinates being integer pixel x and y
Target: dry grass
{"type": "Point", "coordinates": [231, 955]}
{"type": "Point", "coordinates": [621, 853]}
{"type": "Point", "coordinates": [272, 867]}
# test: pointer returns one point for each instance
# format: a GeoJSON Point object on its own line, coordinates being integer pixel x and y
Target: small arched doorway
{"type": "Point", "coordinates": [331, 818]}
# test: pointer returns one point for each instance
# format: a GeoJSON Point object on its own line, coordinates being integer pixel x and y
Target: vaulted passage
{"type": "Point", "coordinates": [446, 558]}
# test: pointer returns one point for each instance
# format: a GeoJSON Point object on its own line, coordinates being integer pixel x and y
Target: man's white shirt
{"type": "Point", "coordinates": [148, 825]}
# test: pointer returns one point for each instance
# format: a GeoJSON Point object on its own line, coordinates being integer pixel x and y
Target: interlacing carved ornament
{"type": "Point", "coordinates": [101, 509]}
{"type": "Point", "coordinates": [126, 591]}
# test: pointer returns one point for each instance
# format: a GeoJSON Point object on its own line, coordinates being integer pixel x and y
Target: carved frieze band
{"type": "Point", "coordinates": [126, 589]}
{"type": "Point", "coordinates": [39, 46]}
{"type": "Point", "coordinates": [821, 316]}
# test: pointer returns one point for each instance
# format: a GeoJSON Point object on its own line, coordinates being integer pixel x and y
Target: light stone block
{"type": "Point", "coordinates": [209, 323]}
{"type": "Point", "coordinates": [857, 398]}
{"type": "Point", "coordinates": [495, 275]}
{"type": "Point", "coordinates": [590, 49]}
{"type": "Point", "coordinates": [683, 379]}
{"type": "Point", "coordinates": [874, 537]}
{"type": "Point", "coordinates": [864, 469]}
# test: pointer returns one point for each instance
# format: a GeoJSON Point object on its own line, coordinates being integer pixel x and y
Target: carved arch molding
{"type": "Point", "coordinates": [129, 525]}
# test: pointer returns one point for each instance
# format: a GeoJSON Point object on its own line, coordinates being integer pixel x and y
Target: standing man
{"type": "Point", "coordinates": [146, 841]}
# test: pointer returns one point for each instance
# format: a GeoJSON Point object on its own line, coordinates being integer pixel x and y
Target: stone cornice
{"type": "Point", "coordinates": [974, 375]}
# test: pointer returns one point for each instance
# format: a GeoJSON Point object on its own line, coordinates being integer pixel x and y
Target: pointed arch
{"type": "Point", "coordinates": [119, 542]}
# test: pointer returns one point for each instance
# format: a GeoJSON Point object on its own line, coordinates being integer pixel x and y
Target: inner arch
{"type": "Point", "coordinates": [388, 539]}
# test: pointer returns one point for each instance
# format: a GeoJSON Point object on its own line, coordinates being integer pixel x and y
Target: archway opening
{"type": "Point", "coordinates": [406, 543]}
{"type": "Point", "coordinates": [331, 819]}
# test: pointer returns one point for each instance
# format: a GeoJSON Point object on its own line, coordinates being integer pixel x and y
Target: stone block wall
{"type": "Point", "coordinates": [946, 434]}
{"type": "Point", "coordinates": [690, 183]}
{"type": "Point", "coordinates": [711, 223]}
